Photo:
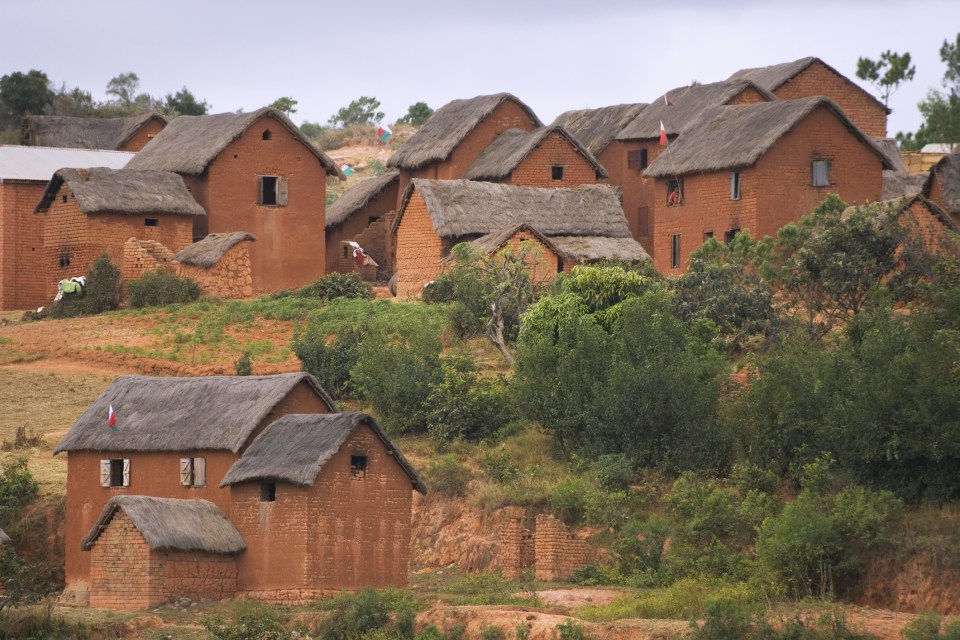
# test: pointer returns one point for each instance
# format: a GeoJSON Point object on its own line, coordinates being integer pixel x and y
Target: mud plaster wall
{"type": "Point", "coordinates": [229, 278]}
{"type": "Point", "coordinates": [550, 549]}
{"type": "Point", "coordinates": [22, 276]}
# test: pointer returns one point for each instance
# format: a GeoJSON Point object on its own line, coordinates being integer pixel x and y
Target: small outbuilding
{"type": "Point", "coordinates": [363, 214]}
{"type": "Point", "coordinates": [220, 264]}
{"type": "Point", "coordinates": [69, 132]}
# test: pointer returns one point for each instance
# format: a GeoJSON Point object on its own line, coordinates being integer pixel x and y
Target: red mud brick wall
{"type": "Point", "coordinates": [419, 248]}
{"type": "Point", "coordinates": [536, 169]}
{"type": "Point", "coordinates": [122, 575]}
{"type": "Point", "coordinates": [146, 133]}
{"type": "Point", "coordinates": [375, 234]}
{"type": "Point", "coordinates": [23, 281]}
{"type": "Point", "coordinates": [198, 576]}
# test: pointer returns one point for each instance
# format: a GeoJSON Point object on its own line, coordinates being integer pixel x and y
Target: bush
{"type": "Point", "coordinates": [330, 287]}
{"type": "Point", "coordinates": [243, 365]}
{"type": "Point", "coordinates": [569, 498]}
{"type": "Point", "coordinates": [369, 613]}
{"type": "Point", "coordinates": [329, 358]}
{"type": "Point", "coordinates": [570, 629]}
{"type": "Point", "coordinates": [448, 477]}
{"type": "Point", "coordinates": [929, 626]}
{"type": "Point", "coordinates": [465, 406]}
{"type": "Point", "coordinates": [102, 292]}
{"type": "Point", "coordinates": [157, 288]}
{"type": "Point", "coordinates": [252, 620]}
{"type": "Point", "coordinates": [17, 489]}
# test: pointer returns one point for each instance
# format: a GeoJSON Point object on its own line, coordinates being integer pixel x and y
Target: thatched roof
{"type": "Point", "coordinates": [296, 447]}
{"type": "Point", "coordinates": [894, 207]}
{"type": "Point", "coordinates": [4, 538]}
{"type": "Point", "coordinates": [101, 190]}
{"type": "Point", "coordinates": [82, 133]}
{"type": "Point", "coordinates": [775, 76]}
{"type": "Point", "coordinates": [737, 136]}
{"type": "Point", "coordinates": [170, 524]}
{"type": "Point", "coordinates": [359, 196]}
{"type": "Point", "coordinates": [573, 248]}
{"type": "Point", "coordinates": [190, 143]}
{"type": "Point", "coordinates": [947, 172]}
{"type": "Point", "coordinates": [689, 103]}
{"type": "Point", "coordinates": [182, 414]}
{"type": "Point", "coordinates": [447, 128]}
{"type": "Point", "coordinates": [462, 207]}
{"type": "Point", "coordinates": [898, 185]}
{"type": "Point", "coordinates": [205, 253]}
{"type": "Point", "coordinates": [891, 149]}
{"type": "Point", "coordinates": [597, 128]}
{"type": "Point", "coordinates": [509, 149]}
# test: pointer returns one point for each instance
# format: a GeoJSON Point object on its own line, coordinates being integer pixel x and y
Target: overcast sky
{"type": "Point", "coordinates": [552, 54]}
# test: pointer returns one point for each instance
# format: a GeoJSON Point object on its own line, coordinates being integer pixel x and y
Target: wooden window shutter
{"type": "Point", "coordinates": [282, 191]}
{"type": "Point", "coordinates": [104, 473]}
{"type": "Point", "coordinates": [126, 472]}
{"type": "Point", "coordinates": [643, 221]}
{"type": "Point", "coordinates": [185, 472]}
{"type": "Point", "coordinates": [199, 472]}
{"type": "Point", "coordinates": [633, 160]}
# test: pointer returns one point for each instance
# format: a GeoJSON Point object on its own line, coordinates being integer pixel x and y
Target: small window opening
{"type": "Point", "coordinates": [637, 159]}
{"type": "Point", "coordinates": [358, 465]}
{"type": "Point", "coordinates": [116, 473]}
{"type": "Point", "coordinates": [675, 192]}
{"type": "Point", "coordinates": [268, 492]}
{"type": "Point", "coordinates": [63, 199]}
{"type": "Point", "coordinates": [151, 222]}
{"type": "Point", "coordinates": [707, 235]}
{"type": "Point", "coordinates": [268, 189]}
{"type": "Point", "coordinates": [730, 235]}
{"type": "Point", "coordinates": [675, 250]}
{"type": "Point", "coordinates": [193, 472]}
{"type": "Point", "coordinates": [346, 250]}
{"type": "Point", "coordinates": [372, 219]}
{"type": "Point", "coordinates": [559, 265]}
{"type": "Point", "coordinates": [267, 135]}
{"type": "Point", "coordinates": [556, 173]}
{"type": "Point", "coordinates": [734, 185]}
{"type": "Point", "coordinates": [64, 261]}
{"type": "Point", "coordinates": [821, 173]}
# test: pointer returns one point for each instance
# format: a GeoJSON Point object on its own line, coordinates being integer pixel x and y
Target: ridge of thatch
{"type": "Point", "coordinates": [69, 132]}
{"type": "Point", "coordinates": [574, 248]}
{"type": "Point", "coordinates": [597, 128]}
{"type": "Point", "coordinates": [172, 524]}
{"type": "Point", "coordinates": [296, 447]}
{"type": "Point", "coordinates": [358, 196]}
{"type": "Point", "coordinates": [190, 143]}
{"type": "Point", "coordinates": [102, 190]}
{"type": "Point", "coordinates": [947, 170]}
{"type": "Point", "coordinates": [4, 538]}
{"type": "Point", "coordinates": [891, 149]}
{"type": "Point", "coordinates": [774, 76]}
{"type": "Point", "coordinates": [182, 414]}
{"type": "Point", "coordinates": [206, 252]}
{"type": "Point", "coordinates": [738, 135]}
{"type": "Point", "coordinates": [689, 103]}
{"type": "Point", "coordinates": [464, 207]}
{"type": "Point", "coordinates": [447, 128]}
{"type": "Point", "coordinates": [897, 185]}
{"type": "Point", "coordinates": [509, 149]}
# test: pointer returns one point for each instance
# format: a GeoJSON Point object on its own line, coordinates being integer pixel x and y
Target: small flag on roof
{"type": "Point", "coordinates": [384, 133]}
{"type": "Point", "coordinates": [112, 417]}
{"type": "Point", "coordinates": [663, 136]}
{"type": "Point", "coordinates": [347, 169]}
{"type": "Point", "coordinates": [667, 101]}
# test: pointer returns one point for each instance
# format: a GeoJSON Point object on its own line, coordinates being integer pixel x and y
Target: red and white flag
{"type": "Point", "coordinates": [663, 135]}
{"type": "Point", "coordinates": [667, 101]}
{"type": "Point", "coordinates": [112, 417]}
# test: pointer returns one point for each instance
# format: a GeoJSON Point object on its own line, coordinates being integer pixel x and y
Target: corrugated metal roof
{"type": "Point", "coordinates": [40, 163]}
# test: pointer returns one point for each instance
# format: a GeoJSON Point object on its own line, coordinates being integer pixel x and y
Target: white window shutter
{"type": "Point", "coordinates": [185, 472]}
{"type": "Point", "coordinates": [199, 472]}
{"type": "Point", "coordinates": [126, 472]}
{"type": "Point", "coordinates": [282, 191]}
{"type": "Point", "coordinates": [104, 473]}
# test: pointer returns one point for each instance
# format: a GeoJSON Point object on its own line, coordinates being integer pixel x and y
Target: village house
{"type": "Point", "coordinates": [583, 224]}
{"type": "Point", "coordinates": [757, 167]}
{"type": "Point", "coordinates": [597, 129]}
{"type": "Point", "coordinates": [927, 229]}
{"type": "Point", "coordinates": [24, 175]}
{"type": "Point", "coordinates": [808, 77]}
{"type": "Point", "coordinates": [91, 211]}
{"type": "Point", "coordinates": [220, 264]}
{"type": "Point", "coordinates": [256, 173]}
{"type": "Point", "coordinates": [942, 185]}
{"type": "Point", "coordinates": [219, 486]}
{"type": "Point", "coordinates": [117, 134]}
{"type": "Point", "coordinates": [639, 143]}
{"type": "Point", "coordinates": [364, 214]}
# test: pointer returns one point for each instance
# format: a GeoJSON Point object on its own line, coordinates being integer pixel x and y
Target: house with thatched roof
{"type": "Point", "coordinates": [758, 167]}
{"type": "Point", "coordinates": [811, 76]}
{"type": "Point", "coordinates": [68, 132]}
{"type": "Point", "coordinates": [220, 264]}
{"type": "Point", "coordinates": [926, 230]}
{"type": "Point", "coordinates": [435, 215]}
{"type": "Point", "coordinates": [253, 172]}
{"type": "Point", "coordinates": [24, 175]}
{"type": "Point", "coordinates": [942, 185]}
{"type": "Point", "coordinates": [638, 143]}
{"type": "Point", "coordinates": [364, 214]}
{"type": "Point", "coordinates": [455, 135]}
{"type": "Point", "coordinates": [91, 211]}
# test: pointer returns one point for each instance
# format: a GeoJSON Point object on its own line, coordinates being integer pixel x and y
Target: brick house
{"type": "Point", "coordinates": [90, 211]}
{"type": "Point", "coordinates": [435, 215]}
{"type": "Point", "coordinates": [118, 134]}
{"type": "Point", "coordinates": [544, 157]}
{"type": "Point", "coordinates": [638, 143]}
{"type": "Point", "coordinates": [811, 76]}
{"type": "Point", "coordinates": [24, 175]}
{"type": "Point", "coordinates": [926, 226]}
{"type": "Point", "coordinates": [220, 264]}
{"type": "Point", "coordinates": [364, 214]}
{"type": "Point", "coordinates": [597, 129]}
{"type": "Point", "coordinates": [217, 486]}
{"type": "Point", "coordinates": [252, 172]}
{"type": "Point", "coordinates": [942, 185]}
{"type": "Point", "coordinates": [757, 167]}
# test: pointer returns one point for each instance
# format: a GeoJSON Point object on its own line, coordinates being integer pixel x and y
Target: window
{"type": "Point", "coordinates": [675, 192]}
{"type": "Point", "coordinates": [346, 249]}
{"type": "Point", "coordinates": [643, 221]}
{"type": "Point", "coordinates": [115, 473]}
{"type": "Point", "coordinates": [268, 492]}
{"type": "Point", "coordinates": [151, 222]}
{"type": "Point", "coordinates": [734, 185]}
{"type": "Point", "coordinates": [64, 260]}
{"type": "Point", "coordinates": [372, 219]}
{"type": "Point", "coordinates": [675, 250]}
{"type": "Point", "coordinates": [273, 191]}
{"type": "Point", "coordinates": [637, 159]}
{"type": "Point", "coordinates": [821, 173]}
{"type": "Point", "coordinates": [556, 172]}
{"type": "Point", "coordinates": [358, 465]}
{"type": "Point", "coordinates": [63, 199]}
{"type": "Point", "coordinates": [267, 135]}
{"type": "Point", "coordinates": [559, 265]}
{"type": "Point", "coordinates": [193, 472]}
{"type": "Point", "coordinates": [729, 235]}
{"type": "Point", "coordinates": [707, 235]}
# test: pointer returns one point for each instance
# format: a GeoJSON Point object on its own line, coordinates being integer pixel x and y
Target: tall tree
{"type": "Point", "coordinates": [23, 94]}
{"type": "Point", "coordinates": [940, 110]}
{"type": "Point", "coordinates": [124, 88]}
{"type": "Point", "coordinates": [285, 104]}
{"type": "Point", "coordinates": [184, 103]}
{"type": "Point", "coordinates": [886, 73]}
{"type": "Point", "coordinates": [417, 114]}
{"type": "Point", "coordinates": [363, 110]}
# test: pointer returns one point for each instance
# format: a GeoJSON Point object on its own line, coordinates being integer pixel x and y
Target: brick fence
{"type": "Point", "coordinates": [550, 549]}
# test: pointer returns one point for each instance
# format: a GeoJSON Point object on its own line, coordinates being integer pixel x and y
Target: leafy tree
{"type": "Point", "coordinates": [363, 110]}
{"type": "Point", "coordinates": [23, 94]}
{"type": "Point", "coordinates": [940, 111]}
{"type": "Point", "coordinates": [886, 73]}
{"type": "Point", "coordinates": [417, 114]}
{"type": "Point", "coordinates": [127, 101]}
{"type": "Point", "coordinates": [311, 129]}
{"type": "Point", "coordinates": [184, 103]}
{"type": "Point", "coordinates": [285, 104]}
{"type": "Point", "coordinates": [74, 102]}
{"type": "Point", "coordinates": [124, 87]}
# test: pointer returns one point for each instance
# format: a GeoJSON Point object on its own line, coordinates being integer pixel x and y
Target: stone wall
{"type": "Point", "coordinates": [197, 576]}
{"type": "Point", "coordinates": [230, 277]}
{"type": "Point", "coordinates": [550, 549]}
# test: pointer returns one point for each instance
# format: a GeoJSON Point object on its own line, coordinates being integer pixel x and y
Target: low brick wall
{"type": "Point", "coordinates": [140, 256]}
{"type": "Point", "coordinates": [230, 278]}
{"type": "Point", "coordinates": [550, 549]}
{"type": "Point", "coordinates": [198, 576]}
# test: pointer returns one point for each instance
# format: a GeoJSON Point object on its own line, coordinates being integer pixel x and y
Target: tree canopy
{"type": "Point", "coordinates": [184, 103]}
{"type": "Point", "coordinates": [940, 110]}
{"type": "Point", "coordinates": [886, 73]}
{"type": "Point", "coordinates": [417, 114]}
{"type": "Point", "coordinates": [363, 110]}
{"type": "Point", "coordinates": [23, 94]}
{"type": "Point", "coordinates": [285, 104]}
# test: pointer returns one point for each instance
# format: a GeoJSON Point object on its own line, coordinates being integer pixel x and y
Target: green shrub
{"type": "Point", "coordinates": [40, 623]}
{"type": "Point", "coordinates": [329, 358]}
{"type": "Point", "coordinates": [243, 365]}
{"type": "Point", "coordinates": [568, 499]}
{"type": "Point", "coordinates": [614, 471]}
{"type": "Point", "coordinates": [466, 406]}
{"type": "Point", "coordinates": [640, 546]}
{"type": "Point", "coordinates": [440, 289]}
{"type": "Point", "coordinates": [725, 619]}
{"type": "Point", "coordinates": [330, 287]}
{"type": "Point", "coordinates": [447, 476]}
{"type": "Point", "coordinates": [491, 632]}
{"type": "Point", "coordinates": [102, 292]}
{"type": "Point", "coordinates": [929, 626]}
{"type": "Point", "coordinates": [157, 288]}
{"type": "Point", "coordinates": [17, 489]}
{"type": "Point", "coordinates": [570, 629]}
{"type": "Point", "coordinates": [250, 620]}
